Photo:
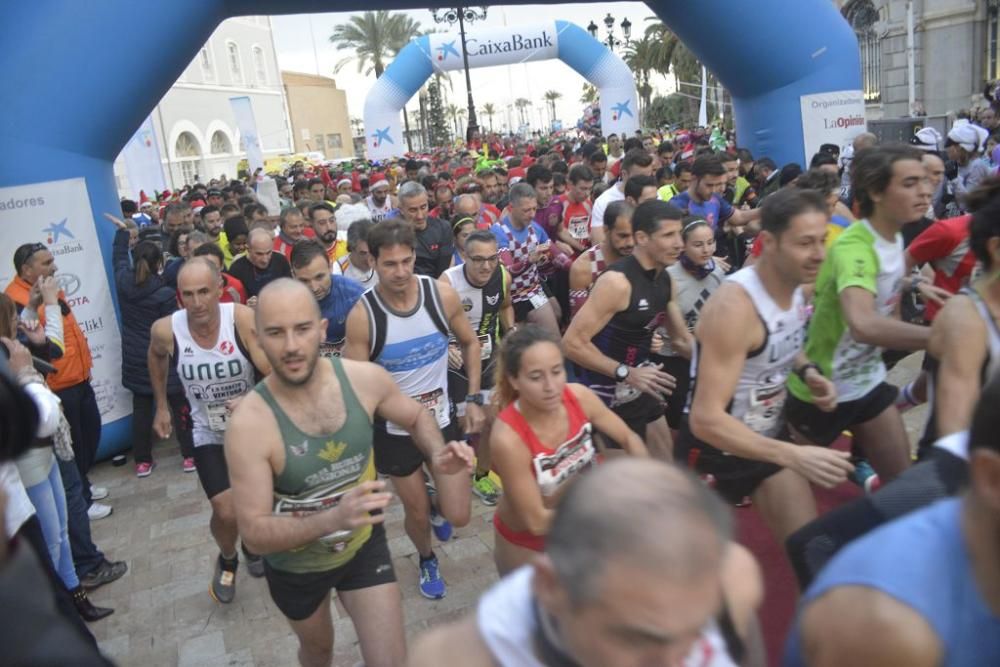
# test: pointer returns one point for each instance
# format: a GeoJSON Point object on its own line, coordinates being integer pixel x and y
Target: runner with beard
{"type": "Point", "coordinates": [380, 203]}
{"type": "Point", "coordinates": [617, 244]}
{"type": "Point", "coordinates": [324, 226]}
{"type": "Point", "coordinates": [335, 294]}
{"type": "Point", "coordinates": [611, 335]}
{"type": "Point", "coordinates": [300, 450]}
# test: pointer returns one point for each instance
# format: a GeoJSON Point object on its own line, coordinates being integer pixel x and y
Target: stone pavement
{"type": "Point", "coordinates": [165, 616]}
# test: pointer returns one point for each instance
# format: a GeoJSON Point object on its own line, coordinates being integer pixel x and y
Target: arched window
{"type": "Point", "coordinates": [188, 152]}
{"type": "Point", "coordinates": [235, 68]}
{"type": "Point", "coordinates": [863, 17]}
{"type": "Point", "coordinates": [205, 60]}
{"type": "Point", "coordinates": [220, 143]}
{"type": "Point", "coordinates": [259, 66]}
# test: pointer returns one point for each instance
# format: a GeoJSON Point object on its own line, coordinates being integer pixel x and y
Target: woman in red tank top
{"type": "Point", "coordinates": [541, 440]}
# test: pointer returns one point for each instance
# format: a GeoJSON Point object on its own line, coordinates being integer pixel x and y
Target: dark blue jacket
{"type": "Point", "coordinates": [141, 306]}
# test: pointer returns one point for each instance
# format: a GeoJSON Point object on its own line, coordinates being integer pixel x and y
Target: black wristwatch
{"type": "Point", "coordinates": [621, 373]}
{"type": "Point", "coordinates": [801, 370]}
{"type": "Point", "coordinates": [476, 399]}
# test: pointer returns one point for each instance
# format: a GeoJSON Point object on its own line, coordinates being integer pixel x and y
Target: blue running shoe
{"type": "Point", "coordinates": [864, 476]}
{"type": "Point", "coordinates": [441, 525]}
{"type": "Point", "coordinates": [431, 584]}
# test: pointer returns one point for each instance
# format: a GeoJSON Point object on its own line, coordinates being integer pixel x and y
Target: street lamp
{"type": "Point", "coordinates": [610, 40]}
{"type": "Point", "coordinates": [463, 15]}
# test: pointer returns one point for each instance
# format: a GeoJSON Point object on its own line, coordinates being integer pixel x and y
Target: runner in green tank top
{"type": "Point", "coordinates": [302, 468]}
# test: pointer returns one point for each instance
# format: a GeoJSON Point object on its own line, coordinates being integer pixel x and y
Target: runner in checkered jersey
{"type": "Point", "coordinates": [524, 248]}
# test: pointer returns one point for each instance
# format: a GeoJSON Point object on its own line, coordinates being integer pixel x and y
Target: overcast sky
{"type": "Point", "coordinates": [303, 45]}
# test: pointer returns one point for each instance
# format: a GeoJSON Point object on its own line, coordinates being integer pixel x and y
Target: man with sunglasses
{"type": "Point", "coordinates": [483, 287]}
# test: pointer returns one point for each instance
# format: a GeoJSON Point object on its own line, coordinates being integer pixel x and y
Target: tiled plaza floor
{"type": "Point", "coordinates": [165, 616]}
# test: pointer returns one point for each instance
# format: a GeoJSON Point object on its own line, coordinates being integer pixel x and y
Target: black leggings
{"type": "Point", "coordinates": [143, 410]}
{"type": "Point", "coordinates": [940, 475]}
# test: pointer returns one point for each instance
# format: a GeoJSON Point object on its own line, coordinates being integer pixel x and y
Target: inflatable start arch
{"type": "Point", "coordinates": [79, 78]}
{"type": "Point", "coordinates": [440, 52]}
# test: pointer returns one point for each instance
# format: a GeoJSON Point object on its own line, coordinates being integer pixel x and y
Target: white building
{"type": "Point", "coordinates": [194, 122]}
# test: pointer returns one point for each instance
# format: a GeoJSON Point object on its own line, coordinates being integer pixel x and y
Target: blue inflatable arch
{"type": "Point", "coordinates": [442, 52]}
{"type": "Point", "coordinates": [79, 79]}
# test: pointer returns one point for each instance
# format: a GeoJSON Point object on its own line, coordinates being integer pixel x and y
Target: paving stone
{"type": "Point", "coordinates": [202, 649]}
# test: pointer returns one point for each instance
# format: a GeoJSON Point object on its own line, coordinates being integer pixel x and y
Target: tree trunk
{"type": "Point", "coordinates": [406, 130]}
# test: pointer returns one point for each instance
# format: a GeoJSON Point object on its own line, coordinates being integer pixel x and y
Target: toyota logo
{"type": "Point", "coordinates": [68, 283]}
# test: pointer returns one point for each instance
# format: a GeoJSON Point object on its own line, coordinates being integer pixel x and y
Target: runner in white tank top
{"type": "Point", "coordinates": [403, 324]}
{"type": "Point", "coordinates": [749, 339]}
{"type": "Point", "coordinates": [215, 351]}
{"type": "Point", "coordinates": [211, 378]}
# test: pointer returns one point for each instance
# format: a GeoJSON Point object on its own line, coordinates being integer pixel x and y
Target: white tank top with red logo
{"type": "Point", "coordinates": [211, 377]}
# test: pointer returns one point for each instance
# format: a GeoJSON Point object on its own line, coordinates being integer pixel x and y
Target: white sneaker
{"type": "Point", "coordinates": [99, 511]}
{"type": "Point", "coordinates": [98, 492]}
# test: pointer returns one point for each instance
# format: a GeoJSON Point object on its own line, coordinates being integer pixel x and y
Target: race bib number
{"type": "Point", "coordinates": [434, 402]}
{"type": "Point", "coordinates": [763, 415]}
{"type": "Point", "coordinates": [485, 346]}
{"type": "Point", "coordinates": [334, 542]}
{"type": "Point", "coordinates": [330, 349]}
{"type": "Point", "coordinates": [568, 460]}
{"type": "Point", "coordinates": [578, 229]}
{"type": "Point", "coordinates": [218, 416]}
{"type": "Point", "coordinates": [538, 299]}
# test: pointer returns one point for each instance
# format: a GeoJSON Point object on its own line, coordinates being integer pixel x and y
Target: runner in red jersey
{"type": "Point", "coordinates": [574, 228]}
{"type": "Point", "coordinates": [543, 437]}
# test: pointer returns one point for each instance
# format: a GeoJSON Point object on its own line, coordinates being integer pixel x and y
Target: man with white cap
{"type": "Point", "coordinates": [379, 202]}
{"type": "Point", "coordinates": [964, 171]}
{"type": "Point", "coordinates": [929, 140]}
{"type": "Point", "coordinates": [344, 186]}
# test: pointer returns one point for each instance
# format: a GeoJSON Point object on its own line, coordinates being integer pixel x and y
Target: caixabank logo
{"type": "Point", "coordinates": [60, 239]}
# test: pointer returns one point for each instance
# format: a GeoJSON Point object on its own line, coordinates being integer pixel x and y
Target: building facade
{"type": "Point", "coordinates": [955, 49]}
{"type": "Point", "coordinates": [194, 122]}
{"type": "Point", "coordinates": [318, 113]}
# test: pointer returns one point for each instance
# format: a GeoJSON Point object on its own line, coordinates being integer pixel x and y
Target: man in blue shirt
{"type": "Point", "coordinates": [921, 590]}
{"type": "Point", "coordinates": [335, 294]}
{"type": "Point", "coordinates": [703, 198]}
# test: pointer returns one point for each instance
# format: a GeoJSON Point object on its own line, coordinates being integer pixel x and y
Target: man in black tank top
{"type": "Point", "coordinates": [611, 335]}
{"type": "Point", "coordinates": [688, 599]}
{"type": "Point", "coordinates": [307, 497]}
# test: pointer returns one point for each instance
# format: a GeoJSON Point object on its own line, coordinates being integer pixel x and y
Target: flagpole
{"type": "Point", "coordinates": [703, 108]}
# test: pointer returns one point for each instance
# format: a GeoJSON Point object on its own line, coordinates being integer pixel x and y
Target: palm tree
{"type": "Point", "coordinates": [455, 113]}
{"type": "Point", "coordinates": [670, 56]}
{"type": "Point", "coordinates": [551, 96]}
{"type": "Point", "coordinates": [489, 110]}
{"type": "Point", "coordinates": [374, 38]}
{"type": "Point", "coordinates": [522, 103]}
{"type": "Point", "coordinates": [642, 58]}
{"type": "Point", "coordinates": [589, 95]}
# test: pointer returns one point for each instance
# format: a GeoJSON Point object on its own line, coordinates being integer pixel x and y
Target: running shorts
{"type": "Point", "coordinates": [213, 473]}
{"type": "Point", "coordinates": [397, 455]}
{"type": "Point", "coordinates": [822, 428]}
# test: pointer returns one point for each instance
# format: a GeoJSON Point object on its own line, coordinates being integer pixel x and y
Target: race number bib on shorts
{"type": "Point", "coordinates": [485, 346]}
{"type": "Point", "coordinates": [218, 416]}
{"type": "Point", "coordinates": [435, 402]}
{"type": "Point", "coordinates": [763, 415]}
{"type": "Point", "coordinates": [335, 542]}
{"type": "Point", "coordinates": [568, 460]}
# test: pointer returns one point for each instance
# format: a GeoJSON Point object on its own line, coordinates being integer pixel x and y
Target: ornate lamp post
{"type": "Point", "coordinates": [463, 15]}
{"type": "Point", "coordinates": [610, 40]}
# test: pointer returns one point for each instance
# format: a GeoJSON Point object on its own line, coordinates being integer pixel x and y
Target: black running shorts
{"type": "Point", "coordinates": [397, 455]}
{"type": "Point", "coordinates": [212, 469]}
{"type": "Point", "coordinates": [822, 428]}
{"type": "Point", "coordinates": [299, 595]}
{"type": "Point", "coordinates": [735, 476]}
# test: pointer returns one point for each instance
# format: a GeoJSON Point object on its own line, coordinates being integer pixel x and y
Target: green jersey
{"type": "Point", "coordinates": [319, 469]}
{"type": "Point", "coordinates": [860, 257]}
